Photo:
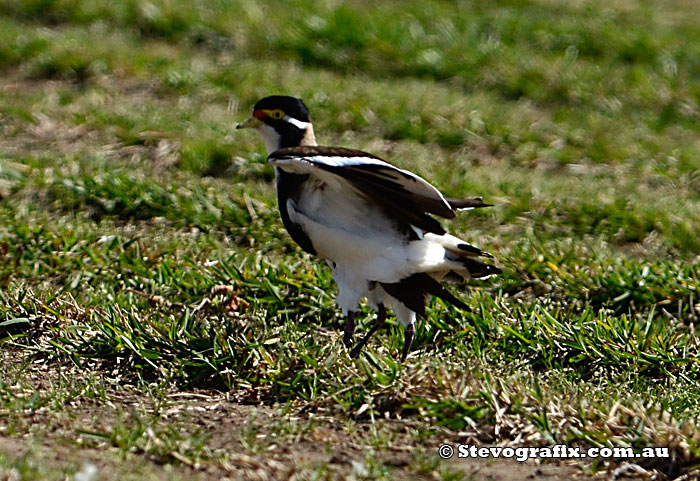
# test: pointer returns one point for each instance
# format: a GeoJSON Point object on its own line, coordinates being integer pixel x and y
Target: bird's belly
{"type": "Point", "coordinates": [343, 208]}
{"type": "Point", "coordinates": [344, 226]}
{"type": "Point", "coordinates": [359, 237]}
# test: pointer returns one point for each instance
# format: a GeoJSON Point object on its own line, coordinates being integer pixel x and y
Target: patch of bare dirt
{"type": "Point", "coordinates": [77, 426]}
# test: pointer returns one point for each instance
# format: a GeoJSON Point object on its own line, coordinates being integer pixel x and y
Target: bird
{"type": "Point", "coordinates": [371, 222]}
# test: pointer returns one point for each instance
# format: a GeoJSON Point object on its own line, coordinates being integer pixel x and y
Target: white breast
{"type": "Point", "coordinates": [359, 237]}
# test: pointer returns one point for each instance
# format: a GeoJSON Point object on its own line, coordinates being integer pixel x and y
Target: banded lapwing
{"type": "Point", "coordinates": [369, 220]}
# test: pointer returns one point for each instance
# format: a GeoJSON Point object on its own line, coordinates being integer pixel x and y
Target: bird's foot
{"type": "Point", "coordinates": [381, 317]}
{"type": "Point", "coordinates": [349, 330]}
{"type": "Point", "coordinates": [408, 340]}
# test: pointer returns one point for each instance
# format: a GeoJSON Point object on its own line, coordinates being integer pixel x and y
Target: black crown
{"type": "Point", "coordinates": [291, 106]}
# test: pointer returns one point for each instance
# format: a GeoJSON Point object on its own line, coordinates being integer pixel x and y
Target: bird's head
{"type": "Point", "coordinates": [282, 121]}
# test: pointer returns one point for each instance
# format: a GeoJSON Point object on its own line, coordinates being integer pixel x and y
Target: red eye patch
{"type": "Point", "coordinates": [260, 114]}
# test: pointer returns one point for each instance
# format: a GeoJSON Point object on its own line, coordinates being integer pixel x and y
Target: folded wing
{"type": "Point", "coordinates": [404, 195]}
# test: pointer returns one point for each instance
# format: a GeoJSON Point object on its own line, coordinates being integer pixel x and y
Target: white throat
{"type": "Point", "coordinates": [270, 137]}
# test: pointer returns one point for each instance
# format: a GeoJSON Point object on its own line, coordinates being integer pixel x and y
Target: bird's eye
{"type": "Point", "coordinates": [277, 114]}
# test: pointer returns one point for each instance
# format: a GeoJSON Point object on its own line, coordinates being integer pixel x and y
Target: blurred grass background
{"type": "Point", "coordinates": [126, 197]}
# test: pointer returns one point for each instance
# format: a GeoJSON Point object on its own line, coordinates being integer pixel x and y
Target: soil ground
{"type": "Point", "coordinates": [243, 441]}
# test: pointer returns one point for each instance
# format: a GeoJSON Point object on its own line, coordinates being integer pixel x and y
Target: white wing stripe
{"type": "Point", "coordinates": [334, 161]}
{"type": "Point", "coordinates": [408, 180]}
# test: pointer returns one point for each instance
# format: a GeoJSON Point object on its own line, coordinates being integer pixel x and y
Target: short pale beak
{"type": "Point", "coordinates": [250, 123]}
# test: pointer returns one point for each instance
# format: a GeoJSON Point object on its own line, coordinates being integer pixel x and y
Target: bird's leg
{"type": "Point", "coordinates": [349, 329]}
{"type": "Point", "coordinates": [407, 340]}
{"type": "Point", "coordinates": [381, 317]}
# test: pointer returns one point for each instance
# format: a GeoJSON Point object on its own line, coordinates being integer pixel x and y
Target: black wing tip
{"type": "Point", "coordinates": [478, 269]}
{"type": "Point", "coordinates": [473, 203]}
{"type": "Point", "coordinates": [456, 302]}
{"type": "Point", "coordinates": [487, 272]}
{"type": "Point", "coordinates": [473, 250]}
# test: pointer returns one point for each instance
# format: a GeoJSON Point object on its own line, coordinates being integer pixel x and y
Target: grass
{"type": "Point", "coordinates": [140, 242]}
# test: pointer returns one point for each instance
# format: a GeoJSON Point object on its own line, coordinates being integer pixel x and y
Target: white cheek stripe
{"type": "Point", "coordinates": [296, 123]}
